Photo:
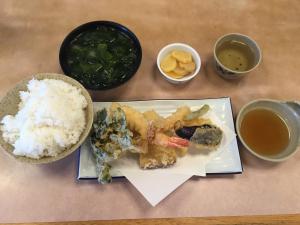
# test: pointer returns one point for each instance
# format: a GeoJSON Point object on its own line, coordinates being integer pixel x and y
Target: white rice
{"type": "Point", "coordinates": [50, 119]}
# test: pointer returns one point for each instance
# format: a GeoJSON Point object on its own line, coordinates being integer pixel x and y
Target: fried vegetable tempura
{"type": "Point", "coordinates": [137, 124]}
{"type": "Point", "coordinates": [110, 138]}
{"type": "Point", "coordinates": [170, 121]}
{"type": "Point", "coordinates": [157, 157]}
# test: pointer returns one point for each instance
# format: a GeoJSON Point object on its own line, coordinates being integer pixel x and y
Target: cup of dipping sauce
{"type": "Point", "coordinates": [236, 55]}
{"type": "Point", "coordinates": [270, 129]}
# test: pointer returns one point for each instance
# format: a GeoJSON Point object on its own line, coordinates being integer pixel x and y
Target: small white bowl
{"type": "Point", "coordinates": [179, 46]}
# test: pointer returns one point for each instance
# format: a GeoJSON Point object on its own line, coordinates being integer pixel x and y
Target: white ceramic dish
{"type": "Point", "coordinates": [227, 162]}
{"type": "Point", "coordinates": [184, 47]}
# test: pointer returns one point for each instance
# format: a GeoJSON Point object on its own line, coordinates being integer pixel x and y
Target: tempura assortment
{"type": "Point", "coordinates": [157, 140]}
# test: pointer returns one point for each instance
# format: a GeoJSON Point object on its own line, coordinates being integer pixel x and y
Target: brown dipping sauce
{"type": "Point", "coordinates": [264, 132]}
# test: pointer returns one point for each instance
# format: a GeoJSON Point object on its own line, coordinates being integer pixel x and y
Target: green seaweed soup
{"type": "Point", "coordinates": [101, 58]}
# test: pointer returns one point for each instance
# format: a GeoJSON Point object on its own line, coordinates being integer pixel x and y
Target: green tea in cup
{"type": "Point", "coordinates": [236, 55]}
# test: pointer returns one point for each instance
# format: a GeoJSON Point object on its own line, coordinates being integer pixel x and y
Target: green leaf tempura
{"type": "Point", "coordinates": [110, 138]}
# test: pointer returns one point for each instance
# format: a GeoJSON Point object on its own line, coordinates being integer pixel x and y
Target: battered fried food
{"type": "Point", "coordinates": [170, 121]}
{"type": "Point", "coordinates": [137, 124]}
{"type": "Point", "coordinates": [157, 157]}
{"type": "Point", "coordinates": [159, 136]}
{"type": "Point", "coordinates": [207, 136]}
{"type": "Point", "coordinates": [153, 116]}
{"type": "Point", "coordinates": [110, 138]}
{"type": "Point", "coordinates": [162, 148]}
{"type": "Point", "coordinates": [136, 121]}
{"type": "Point", "coordinates": [195, 122]}
{"type": "Point", "coordinates": [158, 140]}
{"type": "Point", "coordinates": [200, 132]}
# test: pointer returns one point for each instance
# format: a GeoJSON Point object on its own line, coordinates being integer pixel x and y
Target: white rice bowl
{"type": "Point", "coordinates": [50, 119]}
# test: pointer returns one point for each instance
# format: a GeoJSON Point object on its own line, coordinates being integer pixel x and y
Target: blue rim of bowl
{"type": "Point", "coordinates": [90, 26]}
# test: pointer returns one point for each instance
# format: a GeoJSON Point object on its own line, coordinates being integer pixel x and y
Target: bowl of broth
{"type": "Point", "coordinates": [236, 55]}
{"type": "Point", "coordinates": [270, 129]}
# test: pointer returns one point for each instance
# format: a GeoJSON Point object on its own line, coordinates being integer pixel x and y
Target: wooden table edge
{"type": "Point", "coordinates": [285, 219]}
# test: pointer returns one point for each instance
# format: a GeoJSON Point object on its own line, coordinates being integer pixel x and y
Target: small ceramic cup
{"type": "Point", "coordinates": [289, 112]}
{"type": "Point", "coordinates": [179, 46]}
{"type": "Point", "coordinates": [234, 74]}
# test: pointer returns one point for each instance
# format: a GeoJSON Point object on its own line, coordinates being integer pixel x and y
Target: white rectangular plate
{"type": "Point", "coordinates": [228, 162]}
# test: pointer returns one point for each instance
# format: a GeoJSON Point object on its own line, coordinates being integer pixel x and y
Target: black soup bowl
{"type": "Point", "coordinates": [100, 54]}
